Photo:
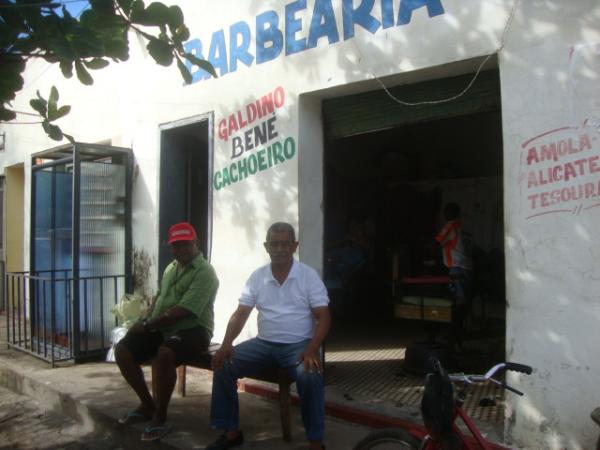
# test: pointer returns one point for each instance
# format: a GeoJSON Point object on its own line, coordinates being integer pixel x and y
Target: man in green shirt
{"type": "Point", "coordinates": [179, 328]}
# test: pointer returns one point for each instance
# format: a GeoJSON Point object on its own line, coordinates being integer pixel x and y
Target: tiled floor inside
{"type": "Point", "coordinates": [368, 363]}
{"type": "Point", "coordinates": [378, 374]}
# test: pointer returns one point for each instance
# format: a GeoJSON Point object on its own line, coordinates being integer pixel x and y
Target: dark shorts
{"type": "Point", "coordinates": [186, 344]}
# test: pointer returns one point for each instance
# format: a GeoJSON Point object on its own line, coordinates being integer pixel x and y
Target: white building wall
{"type": "Point", "coordinates": [548, 69]}
{"type": "Point", "coordinates": [550, 72]}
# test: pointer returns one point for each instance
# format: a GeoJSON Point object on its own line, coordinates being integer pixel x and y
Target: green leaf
{"type": "Point", "coordinates": [53, 95]}
{"type": "Point", "coordinates": [62, 111]}
{"type": "Point", "coordinates": [181, 34]}
{"type": "Point", "coordinates": [161, 51]}
{"type": "Point", "coordinates": [203, 64]}
{"type": "Point", "coordinates": [52, 100]}
{"type": "Point", "coordinates": [103, 6]}
{"type": "Point", "coordinates": [96, 63]}
{"type": "Point", "coordinates": [157, 14]}
{"type": "Point", "coordinates": [137, 10]}
{"type": "Point", "coordinates": [39, 106]}
{"type": "Point", "coordinates": [185, 73]}
{"type": "Point", "coordinates": [10, 81]}
{"type": "Point", "coordinates": [175, 18]}
{"type": "Point", "coordinates": [125, 5]}
{"type": "Point", "coordinates": [83, 75]}
{"type": "Point", "coordinates": [67, 68]}
{"type": "Point", "coordinates": [53, 131]}
{"type": "Point", "coordinates": [6, 114]}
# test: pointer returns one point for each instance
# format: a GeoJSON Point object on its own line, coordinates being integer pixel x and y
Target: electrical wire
{"type": "Point", "coordinates": [469, 85]}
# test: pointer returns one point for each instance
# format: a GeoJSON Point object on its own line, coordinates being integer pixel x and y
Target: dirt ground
{"type": "Point", "coordinates": [26, 425]}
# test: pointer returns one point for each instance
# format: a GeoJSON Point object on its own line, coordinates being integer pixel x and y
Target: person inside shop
{"type": "Point", "coordinates": [347, 255]}
{"type": "Point", "coordinates": [293, 320]}
{"type": "Point", "coordinates": [178, 328]}
{"type": "Point", "coordinates": [456, 243]}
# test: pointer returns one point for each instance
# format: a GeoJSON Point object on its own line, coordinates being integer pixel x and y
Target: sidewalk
{"type": "Point", "coordinates": [95, 396]}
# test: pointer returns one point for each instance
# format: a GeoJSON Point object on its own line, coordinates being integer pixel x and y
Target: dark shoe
{"type": "Point", "coordinates": [222, 443]}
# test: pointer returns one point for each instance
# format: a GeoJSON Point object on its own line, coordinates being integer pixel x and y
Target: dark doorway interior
{"type": "Point", "coordinates": [384, 195]}
{"type": "Point", "coordinates": [184, 184]}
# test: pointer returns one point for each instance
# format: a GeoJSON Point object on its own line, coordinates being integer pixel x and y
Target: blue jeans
{"type": "Point", "coordinates": [249, 358]}
{"type": "Point", "coordinates": [461, 285]}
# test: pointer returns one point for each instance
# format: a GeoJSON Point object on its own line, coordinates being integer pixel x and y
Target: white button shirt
{"type": "Point", "coordinates": [285, 310]}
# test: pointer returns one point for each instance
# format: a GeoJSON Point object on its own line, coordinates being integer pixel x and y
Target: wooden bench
{"type": "Point", "coordinates": [271, 374]}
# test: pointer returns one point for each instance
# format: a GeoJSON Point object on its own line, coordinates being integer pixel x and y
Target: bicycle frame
{"type": "Point", "coordinates": [464, 429]}
{"type": "Point", "coordinates": [474, 441]}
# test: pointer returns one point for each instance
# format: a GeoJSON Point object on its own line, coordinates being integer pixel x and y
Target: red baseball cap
{"type": "Point", "coordinates": [182, 231]}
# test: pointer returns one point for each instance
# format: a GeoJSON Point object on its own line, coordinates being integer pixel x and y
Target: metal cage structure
{"type": "Point", "coordinates": [80, 253]}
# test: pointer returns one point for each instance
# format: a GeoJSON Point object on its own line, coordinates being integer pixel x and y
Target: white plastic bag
{"type": "Point", "coordinates": [130, 309]}
{"type": "Point", "coordinates": [116, 335]}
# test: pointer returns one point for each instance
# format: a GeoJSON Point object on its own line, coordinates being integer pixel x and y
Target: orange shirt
{"type": "Point", "coordinates": [453, 246]}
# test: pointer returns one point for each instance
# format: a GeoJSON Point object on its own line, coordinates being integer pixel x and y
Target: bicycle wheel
{"type": "Point", "coordinates": [388, 439]}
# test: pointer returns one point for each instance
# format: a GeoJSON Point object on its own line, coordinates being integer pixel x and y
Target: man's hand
{"type": "Point", "coordinates": [220, 356]}
{"type": "Point", "coordinates": [234, 326]}
{"type": "Point", "coordinates": [310, 356]}
{"type": "Point", "coordinates": [311, 360]}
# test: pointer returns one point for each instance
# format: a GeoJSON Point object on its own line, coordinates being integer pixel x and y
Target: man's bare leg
{"type": "Point", "coordinates": [132, 373]}
{"type": "Point", "coordinates": [163, 365]}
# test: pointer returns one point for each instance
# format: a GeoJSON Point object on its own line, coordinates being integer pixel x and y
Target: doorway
{"type": "Point", "coordinates": [185, 188]}
{"type": "Point", "coordinates": [14, 218]}
{"type": "Point", "coordinates": [389, 170]}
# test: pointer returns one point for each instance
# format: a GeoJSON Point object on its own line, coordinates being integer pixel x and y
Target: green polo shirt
{"type": "Point", "coordinates": [193, 288]}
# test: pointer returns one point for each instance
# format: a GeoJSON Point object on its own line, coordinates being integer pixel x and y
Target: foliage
{"type": "Point", "coordinates": [45, 29]}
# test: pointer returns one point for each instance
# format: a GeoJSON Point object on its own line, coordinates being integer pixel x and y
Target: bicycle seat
{"type": "Point", "coordinates": [437, 404]}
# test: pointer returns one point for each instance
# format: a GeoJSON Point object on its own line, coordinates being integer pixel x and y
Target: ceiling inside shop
{"type": "Point", "coordinates": [460, 147]}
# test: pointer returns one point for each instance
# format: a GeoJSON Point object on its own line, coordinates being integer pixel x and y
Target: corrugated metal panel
{"type": "Point", "coordinates": [375, 110]}
{"type": "Point", "coordinates": [101, 248]}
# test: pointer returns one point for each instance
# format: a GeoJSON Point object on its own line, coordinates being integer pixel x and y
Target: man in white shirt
{"type": "Point", "coordinates": [293, 320]}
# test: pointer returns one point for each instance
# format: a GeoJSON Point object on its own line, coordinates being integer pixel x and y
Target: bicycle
{"type": "Point", "coordinates": [441, 410]}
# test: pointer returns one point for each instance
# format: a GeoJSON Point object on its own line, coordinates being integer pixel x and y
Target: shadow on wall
{"type": "Point", "coordinates": [255, 182]}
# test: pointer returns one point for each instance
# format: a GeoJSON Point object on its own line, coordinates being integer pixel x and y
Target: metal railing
{"type": "Point", "coordinates": [56, 317]}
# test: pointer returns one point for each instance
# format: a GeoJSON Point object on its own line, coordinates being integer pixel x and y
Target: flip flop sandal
{"type": "Point", "coordinates": [155, 433]}
{"type": "Point", "coordinates": [134, 417]}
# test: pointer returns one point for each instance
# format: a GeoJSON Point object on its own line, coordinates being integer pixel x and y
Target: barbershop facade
{"type": "Point", "coordinates": [368, 116]}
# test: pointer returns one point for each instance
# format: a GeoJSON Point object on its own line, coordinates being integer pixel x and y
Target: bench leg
{"type": "Point", "coordinates": [285, 409]}
{"type": "Point", "coordinates": [181, 371]}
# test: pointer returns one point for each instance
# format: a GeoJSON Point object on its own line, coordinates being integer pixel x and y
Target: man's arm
{"type": "Point", "coordinates": [168, 318]}
{"type": "Point", "coordinates": [310, 356]}
{"type": "Point", "coordinates": [197, 296]}
{"type": "Point", "coordinates": [236, 323]}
